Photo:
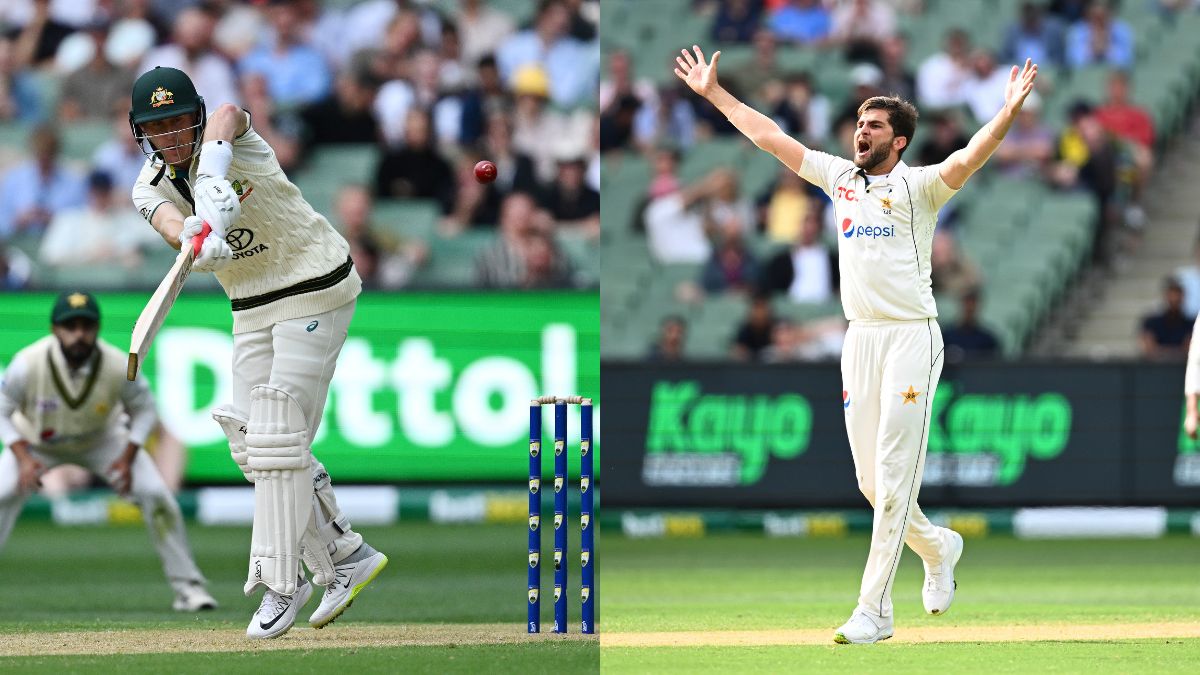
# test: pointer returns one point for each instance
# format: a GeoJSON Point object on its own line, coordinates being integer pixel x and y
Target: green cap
{"type": "Point", "coordinates": [161, 93]}
{"type": "Point", "coordinates": [75, 305]}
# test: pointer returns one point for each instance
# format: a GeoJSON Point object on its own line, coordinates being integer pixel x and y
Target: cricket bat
{"type": "Point", "coordinates": [151, 318]}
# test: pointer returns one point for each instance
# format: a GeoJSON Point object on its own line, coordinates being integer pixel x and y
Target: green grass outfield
{"type": "Point", "coordinates": [743, 602]}
{"type": "Point", "coordinates": [450, 600]}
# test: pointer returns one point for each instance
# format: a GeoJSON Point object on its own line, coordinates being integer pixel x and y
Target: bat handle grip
{"type": "Point", "coordinates": [198, 240]}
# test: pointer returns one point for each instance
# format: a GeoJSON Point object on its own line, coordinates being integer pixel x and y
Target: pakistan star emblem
{"type": "Point", "coordinates": [910, 396]}
{"type": "Point", "coordinates": [887, 203]}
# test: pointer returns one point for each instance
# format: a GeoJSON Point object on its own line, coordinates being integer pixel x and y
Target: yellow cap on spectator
{"type": "Point", "coordinates": [531, 80]}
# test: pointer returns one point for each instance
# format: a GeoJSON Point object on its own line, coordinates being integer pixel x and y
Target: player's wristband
{"type": "Point", "coordinates": [215, 157]}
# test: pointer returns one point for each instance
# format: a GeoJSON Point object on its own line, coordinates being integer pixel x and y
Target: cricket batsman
{"type": "Point", "coordinates": [892, 359]}
{"type": "Point", "coordinates": [65, 400]}
{"type": "Point", "coordinates": [292, 289]}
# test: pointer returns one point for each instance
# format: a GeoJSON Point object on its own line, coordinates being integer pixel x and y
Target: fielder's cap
{"type": "Point", "coordinates": [163, 92]}
{"type": "Point", "coordinates": [75, 305]}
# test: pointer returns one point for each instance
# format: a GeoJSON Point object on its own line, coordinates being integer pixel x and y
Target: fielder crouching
{"type": "Point", "coordinates": [292, 301]}
{"type": "Point", "coordinates": [65, 400]}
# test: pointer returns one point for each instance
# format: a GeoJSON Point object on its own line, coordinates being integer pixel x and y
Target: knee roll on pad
{"type": "Point", "coordinates": [278, 457]}
{"type": "Point", "coordinates": [233, 423]}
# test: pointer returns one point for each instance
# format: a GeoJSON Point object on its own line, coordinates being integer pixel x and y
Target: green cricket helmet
{"type": "Point", "coordinates": [161, 93]}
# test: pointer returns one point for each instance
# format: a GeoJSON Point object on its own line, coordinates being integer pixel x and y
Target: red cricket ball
{"type": "Point", "coordinates": [485, 171]}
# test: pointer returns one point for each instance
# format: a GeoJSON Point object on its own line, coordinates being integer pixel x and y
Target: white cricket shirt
{"type": "Point", "coordinates": [885, 234]}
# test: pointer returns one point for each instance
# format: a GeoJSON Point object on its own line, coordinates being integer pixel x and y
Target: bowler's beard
{"type": "Point", "coordinates": [78, 353]}
{"type": "Point", "coordinates": [879, 155]}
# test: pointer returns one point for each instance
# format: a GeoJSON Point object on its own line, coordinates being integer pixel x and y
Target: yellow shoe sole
{"type": "Point", "coordinates": [353, 594]}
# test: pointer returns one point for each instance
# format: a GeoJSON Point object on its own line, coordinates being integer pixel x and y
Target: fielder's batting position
{"type": "Point", "coordinates": [293, 289]}
{"type": "Point", "coordinates": [65, 400]}
{"type": "Point", "coordinates": [892, 358]}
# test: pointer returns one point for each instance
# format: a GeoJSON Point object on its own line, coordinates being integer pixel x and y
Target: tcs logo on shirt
{"type": "Point", "coordinates": [849, 229]}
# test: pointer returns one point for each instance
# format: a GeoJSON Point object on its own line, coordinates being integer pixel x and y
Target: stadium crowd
{"type": "Point", "coordinates": [1105, 149]}
{"type": "Point", "coordinates": [433, 87]}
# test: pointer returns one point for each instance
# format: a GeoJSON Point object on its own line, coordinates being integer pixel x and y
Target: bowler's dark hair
{"type": "Point", "coordinates": [902, 115]}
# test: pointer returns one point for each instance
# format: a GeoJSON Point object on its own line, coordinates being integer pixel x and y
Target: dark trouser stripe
{"type": "Point", "coordinates": [318, 284]}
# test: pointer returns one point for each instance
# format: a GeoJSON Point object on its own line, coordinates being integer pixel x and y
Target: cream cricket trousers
{"type": "Point", "coordinates": [147, 490]}
{"type": "Point", "coordinates": [890, 371]}
{"type": "Point", "coordinates": [299, 357]}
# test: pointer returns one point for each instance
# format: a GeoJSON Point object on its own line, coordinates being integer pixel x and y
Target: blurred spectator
{"type": "Point", "coordinates": [572, 203]}
{"type": "Point", "coordinates": [728, 211]}
{"type": "Point", "coordinates": [1069, 11]}
{"type": "Point", "coordinates": [620, 82]}
{"type": "Point", "coordinates": [951, 271]}
{"type": "Point", "coordinates": [754, 334]}
{"type": "Point", "coordinates": [19, 100]}
{"type": "Point", "coordinates": [15, 268]}
{"type": "Point", "coordinates": [345, 117]}
{"type": "Point", "coordinates": [481, 101]}
{"type": "Point", "coordinates": [817, 340]}
{"type": "Point", "coordinates": [941, 78]}
{"type": "Point", "coordinates": [296, 73]}
{"type": "Point", "coordinates": [479, 204]}
{"type": "Point", "coordinates": [98, 88]}
{"type": "Point", "coordinates": [388, 59]}
{"type": "Point", "coordinates": [1029, 145]}
{"type": "Point", "coordinates": [540, 132]}
{"type": "Point", "coordinates": [585, 19]}
{"type": "Point", "coordinates": [759, 78]}
{"type": "Point", "coordinates": [784, 206]}
{"type": "Point", "coordinates": [1088, 158]}
{"type": "Point", "coordinates": [967, 340]}
{"type": "Point", "coordinates": [105, 231]}
{"type": "Point", "coordinates": [43, 27]}
{"type": "Point", "coordinates": [802, 21]}
{"type": "Point", "coordinates": [676, 227]}
{"type": "Point", "coordinates": [1035, 36]}
{"type": "Point", "coordinates": [119, 156]}
{"type": "Point", "coordinates": [861, 25]}
{"type": "Point", "coordinates": [525, 254]}
{"type": "Point", "coordinates": [984, 90]}
{"type": "Point", "coordinates": [1099, 39]}
{"type": "Point", "coordinates": [481, 29]}
{"type": "Point", "coordinates": [417, 170]}
{"type": "Point", "coordinates": [382, 262]}
{"type": "Point", "coordinates": [672, 336]}
{"type": "Point", "coordinates": [280, 131]}
{"type": "Point", "coordinates": [947, 136]}
{"type": "Point", "coordinates": [737, 20]}
{"type": "Point", "coordinates": [191, 51]}
{"type": "Point", "coordinates": [866, 78]}
{"type": "Point", "coordinates": [807, 271]}
{"type": "Point", "coordinates": [1188, 277]}
{"type": "Point", "coordinates": [898, 79]}
{"type": "Point", "coordinates": [664, 163]}
{"type": "Point", "coordinates": [569, 63]}
{"type": "Point", "coordinates": [730, 268]}
{"type": "Point", "coordinates": [802, 112]}
{"type": "Point", "coordinates": [1166, 335]}
{"type": "Point", "coordinates": [1122, 117]}
{"type": "Point", "coordinates": [672, 121]}
{"type": "Point", "coordinates": [628, 105]}
{"type": "Point", "coordinates": [34, 190]}
{"type": "Point", "coordinates": [372, 22]}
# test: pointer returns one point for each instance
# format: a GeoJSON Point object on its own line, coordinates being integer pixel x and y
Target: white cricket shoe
{"type": "Point", "coordinates": [863, 628]}
{"type": "Point", "coordinates": [939, 580]}
{"type": "Point", "coordinates": [277, 613]}
{"type": "Point", "coordinates": [349, 579]}
{"type": "Point", "coordinates": [192, 597]}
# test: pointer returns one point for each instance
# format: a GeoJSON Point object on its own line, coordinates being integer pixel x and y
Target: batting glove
{"type": "Point", "coordinates": [216, 203]}
{"type": "Point", "coordinates": [191, 227]}
{"type": "Point", "coordinates": [214, 254]}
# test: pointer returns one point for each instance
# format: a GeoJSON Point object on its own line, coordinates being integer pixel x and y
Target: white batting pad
{"type": "Point", "coordinates": [278, 457]}
{"type": "Point", "coordinates": [233, 423]}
